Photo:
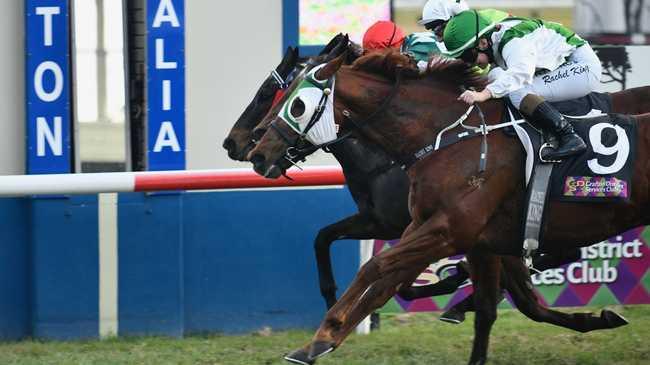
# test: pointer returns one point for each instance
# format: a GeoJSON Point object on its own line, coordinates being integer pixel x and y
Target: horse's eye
{"type": "Point", "coordinates": [297, 108]}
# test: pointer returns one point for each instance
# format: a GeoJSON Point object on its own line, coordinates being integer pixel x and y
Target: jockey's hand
{"type": "Point", "coordinates": [471, 97]}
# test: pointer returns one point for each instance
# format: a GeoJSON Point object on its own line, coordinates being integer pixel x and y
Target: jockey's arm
{"type": "Point", "coordinates": [520, 57]}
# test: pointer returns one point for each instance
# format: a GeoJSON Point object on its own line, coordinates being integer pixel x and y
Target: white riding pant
{"type": "Point", "coordinates": [579, 76]}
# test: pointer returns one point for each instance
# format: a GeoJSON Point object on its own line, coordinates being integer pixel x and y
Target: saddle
{"type": "Point", "coordinates": [601, 174]}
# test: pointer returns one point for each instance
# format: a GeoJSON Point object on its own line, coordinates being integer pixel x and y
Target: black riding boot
{"type": "Point", "coordinates": [559, 132]}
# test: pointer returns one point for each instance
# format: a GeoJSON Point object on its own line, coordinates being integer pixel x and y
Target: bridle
{"type": "Point", "coordinates": [282, 83]}
{"type": "Point", "coordinates": [299, 147]}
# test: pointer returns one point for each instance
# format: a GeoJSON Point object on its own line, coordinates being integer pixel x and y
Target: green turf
{"type": "Point", "coordinates": [402, 340]}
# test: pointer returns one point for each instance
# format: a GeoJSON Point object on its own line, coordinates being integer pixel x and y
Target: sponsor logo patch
{"type": "Point", "coordinates": [598, 186]}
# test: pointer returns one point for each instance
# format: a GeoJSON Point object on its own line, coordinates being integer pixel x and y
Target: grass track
{"type": "Point", "coordinates": [403, 340]}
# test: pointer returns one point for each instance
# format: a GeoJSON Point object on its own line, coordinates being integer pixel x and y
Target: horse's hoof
{"type": "Point", "coordinates": [453, 316]}
{"type": "Point", "coordinates": [320, 348]}
{"type": "Point", "coordinates": [613, 319]}
{"type": "Point", "coordinates": [299, 357]}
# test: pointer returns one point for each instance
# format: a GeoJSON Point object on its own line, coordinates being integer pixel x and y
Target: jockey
{"type": "Point", "coordinates": [421, 46]}
{"type": "Point", "coordinates": [436, 14]}
{"type": "Point", "coordinates": [537, 61]}
{"type": "Point", "coordinates": [386, 34]}
{"type": "Point", "coordinates": [381, 35]}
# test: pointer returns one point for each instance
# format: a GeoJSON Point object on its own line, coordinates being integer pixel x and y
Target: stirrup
{"type": "Point", "coordinates": [541, 159]}
{"type": "Point", "coordinates": [530, 246]}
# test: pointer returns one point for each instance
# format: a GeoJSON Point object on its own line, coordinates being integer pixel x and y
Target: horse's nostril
{"type": "Point", "coordinates": [229, 144]}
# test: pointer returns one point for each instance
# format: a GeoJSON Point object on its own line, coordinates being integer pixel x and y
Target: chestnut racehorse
{"type": "Point", "coordinates": [454, 209]}
{"type": "Point", "coordinates": [378, 186]}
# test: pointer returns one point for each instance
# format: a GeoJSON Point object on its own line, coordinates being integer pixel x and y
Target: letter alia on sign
{"type": "Point", "coordinates": [166, 84]}
{"type": "Point", "coordinates": [48, 93]}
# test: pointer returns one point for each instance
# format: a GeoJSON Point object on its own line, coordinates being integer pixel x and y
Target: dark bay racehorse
{"type": "Point", "coordinates": [239, 142]}
{"type": "Point", "coordinates": [378, 186]}
{"type": "Point", "coordinates": [240, 139]}
{"type": "Point", "coordinates": [455, 209]}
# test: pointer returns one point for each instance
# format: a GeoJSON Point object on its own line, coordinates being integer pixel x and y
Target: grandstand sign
{"type": "Point", "coordinates": [166, 84]}
{"type": "Point", "coordinates": [47, 30]}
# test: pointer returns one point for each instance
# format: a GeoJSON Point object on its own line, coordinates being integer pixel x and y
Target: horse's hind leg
{"type": "Point", "coordinates": [556, 259]}
{"type": "Point", "coordinates": [456, 314]}
{"type": "Point", "coordinates": [358, 226]}
{"type": "Point", "coordinates": [447, 285]}
{"type": "Point", "coordinates": [519, 286]}
{"type": "Point", "coordinates": [485, 278]}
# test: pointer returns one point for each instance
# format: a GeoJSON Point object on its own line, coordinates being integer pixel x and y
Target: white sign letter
{"type": "Point", "coordinates": [166, 138]}
{"type": "Point", "coordinates": [161, 64]}
{"type": "Point", "coordinates": [165, 13]}
{"type": "Point", "coordinates": [166, 95]}
{"type": "Point", "coordinates": [58, 81]}
{"type": "Point", "coordinates": [47, 12]}
{"type": "Point", "coordinates": [54, 140]}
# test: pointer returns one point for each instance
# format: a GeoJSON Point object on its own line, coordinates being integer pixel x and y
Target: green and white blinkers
{"type": "Point", "coordinates": [316, 123]}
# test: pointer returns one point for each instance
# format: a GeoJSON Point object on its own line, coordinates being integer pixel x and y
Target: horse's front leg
{"type": "Point", "coordinates": [376, 282]}
{"type": "Point", "coordinates": [358, 226]}
{"type": "Point", "coordinates": [485, 269]}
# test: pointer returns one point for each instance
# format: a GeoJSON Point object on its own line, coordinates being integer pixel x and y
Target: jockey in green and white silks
{"type": "Point", "coordinates": [537, 61]}
{"type": "Point", "coordinates": [436, 15]}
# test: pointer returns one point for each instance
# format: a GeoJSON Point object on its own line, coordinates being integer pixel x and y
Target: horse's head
{"type": "Point", "coordinates": [240, 140]}
{"type": "Point", "coordinates": [369, 99]}
{"type": "Point", "coordinates": [303, 117]}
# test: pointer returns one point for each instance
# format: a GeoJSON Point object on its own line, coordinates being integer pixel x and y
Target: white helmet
{"type": "Point", "coordinates": [441, 10]}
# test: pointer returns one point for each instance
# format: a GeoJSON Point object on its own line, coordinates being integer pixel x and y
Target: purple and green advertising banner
{"type": "Point", "coordinates": [616, 271]}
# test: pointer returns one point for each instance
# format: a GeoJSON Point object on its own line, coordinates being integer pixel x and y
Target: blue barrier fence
{"type": "Point", "coordinates": [227, 262]}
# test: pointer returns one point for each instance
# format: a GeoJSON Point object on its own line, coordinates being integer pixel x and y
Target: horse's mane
{"type": "Point", "coordinates": [439, 68]}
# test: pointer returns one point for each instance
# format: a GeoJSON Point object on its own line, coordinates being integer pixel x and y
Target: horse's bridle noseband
{"type": "Point", "coordinates": [296, 153]}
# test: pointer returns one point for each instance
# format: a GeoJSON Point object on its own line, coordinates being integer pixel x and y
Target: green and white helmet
{"type": "Point", "coordinates": [464, 30]}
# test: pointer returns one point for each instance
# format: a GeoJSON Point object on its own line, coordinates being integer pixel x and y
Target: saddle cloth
{"type": "Point", "coordinates": [604, 171]}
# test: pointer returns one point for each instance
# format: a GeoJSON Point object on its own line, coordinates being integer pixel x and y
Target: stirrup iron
{"type": "Point", "coordinates": [530, 246]}
{"type": "Point", "coordinates": [541, 159]}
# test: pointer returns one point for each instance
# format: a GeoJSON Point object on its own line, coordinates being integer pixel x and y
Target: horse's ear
{"type": "Point", "coordinates": [331, 67]}
{"type": "Point", "coordinates": [341, 47]}
{"type": "Point", "coordinates": [289, 60]}
{"type": "Point", "coordinates": [332, 43]}
{"type": "Point", "coordinates": [294, 56]}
